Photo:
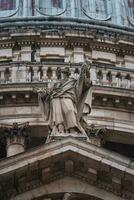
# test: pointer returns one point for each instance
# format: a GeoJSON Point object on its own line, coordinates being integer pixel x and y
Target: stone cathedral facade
{"type": "Point", "coordinates": [38, 38]}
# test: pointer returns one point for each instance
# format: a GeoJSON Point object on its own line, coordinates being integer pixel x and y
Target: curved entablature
{"type": "Point", "coordinates": [113, 11]}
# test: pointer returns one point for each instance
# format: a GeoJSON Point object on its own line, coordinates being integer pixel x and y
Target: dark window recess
{"type": "Point", "coordinates": [2, 148]}
{"type": "Point", "coordinates": [16, 47]}
{"type": "Point", "coordinates": [52, 60]}
{"type": "Point", "coordinates": [124, 149]}
{"type": "Point", "coordinates": [35, 142]}
{"type": "Point", "coordinates": [7, 74]}
{"type": "Point", "coordinates": [6, 61]}
{"type": "Point", "coordinates": [33, 56]}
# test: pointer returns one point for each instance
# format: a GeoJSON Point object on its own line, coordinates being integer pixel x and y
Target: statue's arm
{"type": "Point", "coordinates": [42, 92]}
{"type": "Point", "coordinates": [84, 81]}
{"type": "Point", "coordinates": [85, 73]}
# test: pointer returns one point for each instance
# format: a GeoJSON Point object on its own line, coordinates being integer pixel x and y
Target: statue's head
{"type": "Point", "coordinates": [87, 64]}
{"type": "Point", "coordinates": [65, 72]}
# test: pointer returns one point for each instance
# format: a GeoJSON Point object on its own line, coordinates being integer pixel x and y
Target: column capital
{"type": "Point", "coordinates": [15, 130]}
{"type": "Point", "coordinates": [96, 134]}
{"type": "Point", "coordinates": [15, 135]}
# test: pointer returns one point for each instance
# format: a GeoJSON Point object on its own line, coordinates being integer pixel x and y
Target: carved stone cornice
{"type": "Point", "coordinates": [74, 42]}
{"type": "Point", "coordinates": [116, 37]}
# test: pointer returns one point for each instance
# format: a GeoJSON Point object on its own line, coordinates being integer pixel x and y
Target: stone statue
{"type": "Point", "coordinates": [64, 104]}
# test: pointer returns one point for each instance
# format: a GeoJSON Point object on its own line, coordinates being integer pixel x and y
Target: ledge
{"type": "Point", "coordinates": [76, 23]}
{"type": "Point", "coordinates": [68, 144]}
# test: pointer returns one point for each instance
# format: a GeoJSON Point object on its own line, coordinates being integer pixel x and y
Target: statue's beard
{"type": "Point", "coordinates": [63, 77]}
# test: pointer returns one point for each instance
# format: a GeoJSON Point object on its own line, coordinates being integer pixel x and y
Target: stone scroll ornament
{"type": "Point", "coordinates": [64, 105]}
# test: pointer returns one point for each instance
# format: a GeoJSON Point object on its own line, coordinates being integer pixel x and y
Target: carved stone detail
{"type": "Point", "coordinates": [16, 136]}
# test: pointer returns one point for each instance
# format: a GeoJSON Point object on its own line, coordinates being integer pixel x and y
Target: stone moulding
{"type": "Point", "coordinates": [81, 24]}
{"type": "Point", "coordinates": [68, 144]}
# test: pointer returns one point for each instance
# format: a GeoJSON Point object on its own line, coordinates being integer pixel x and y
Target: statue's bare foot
{"type": "Point", "coordinates": [74, 130]}
{"type": "Point", "coordinates": [61, 128]}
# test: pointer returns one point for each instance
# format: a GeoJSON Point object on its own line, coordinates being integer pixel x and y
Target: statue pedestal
{"type": "Point", "coordinates": [95, 141]}
{"type": "Point", "coordinates": [59, 136]}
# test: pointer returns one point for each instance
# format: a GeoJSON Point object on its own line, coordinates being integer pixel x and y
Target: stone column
{"type": "Point", "coordinates": [24, 73]}
{"type": "Point", "coordinates": [15, 145]}
{"type": "Point", "coordinates": [2, 77]}
{"type": "Point", "coordinates": [105, 82]}
{"type": "Point", "coordinates": [44, 78]}
{"type": "Point", "coordinates": [13, 75]}
{"type": "Point", "coordinates": [93, 75]}
{"type": "Point", "coordinates": [35, 78]}
{"type": "Point", "coordinates": [16, 136]}
{"type": "Point", "coordinates": [114, 81]}
{"type": "Point", "coordinates": [54, 77]}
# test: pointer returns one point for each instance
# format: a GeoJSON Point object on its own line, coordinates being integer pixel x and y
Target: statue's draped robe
{"type": "Point", "coordinates": [67, 102]}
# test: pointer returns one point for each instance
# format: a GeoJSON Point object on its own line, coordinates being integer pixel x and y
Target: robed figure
{"type": "Point", "coordinates": [64, 105]}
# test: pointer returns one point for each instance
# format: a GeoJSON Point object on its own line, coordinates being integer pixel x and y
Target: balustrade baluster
{"type": "Point", "coordinates": [35, 76]}
{"type": "Point", "coordinates": [93, 75]}
{"type": "Point", "coordinates": [54, 77]}
{"type": "Point", "coordinates": [118, 79]}
{"type": "Point", "coordinates": [124, 81]}
{"type": "Point", "coordinates": [132, 82]}
{"type": "Point", "coordinates": [104, 81]}
{"type": "Point", "coordinates": [114, 81]}
{"type": "Point", "coordinates": [2, 79]}
{"type": "Point", "coordinates": [44, 78]}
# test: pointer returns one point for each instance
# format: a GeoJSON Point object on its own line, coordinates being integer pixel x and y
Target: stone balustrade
{"type": "Point", "coordinates": [104, 76]}
{"type": "Point", "coordinates": [112, 77]}
{"type": "Point", "coordinates": [33, 73]}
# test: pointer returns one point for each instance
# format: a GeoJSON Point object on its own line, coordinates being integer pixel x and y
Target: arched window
{"type": "Point", "coordinates": [51, 7]}
{"type": "Point", "coordinates": [8, 8]}
{"type": "Point", "coordinates": [97, 9]}
{"type": "Point", "coordinates": [130, 10]}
